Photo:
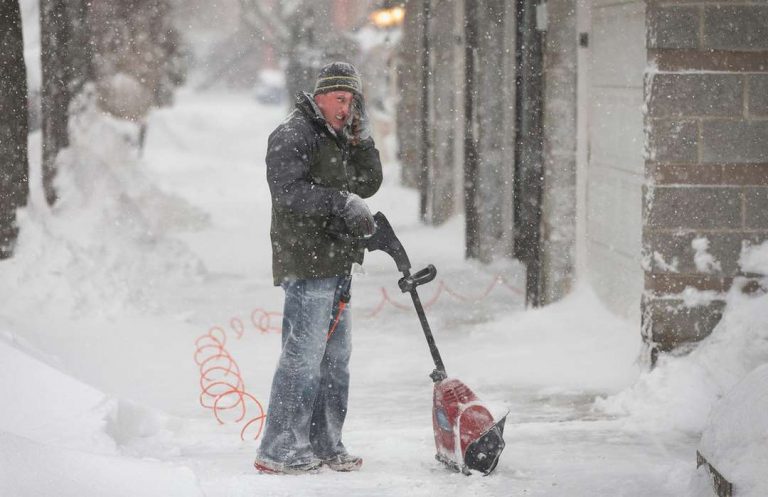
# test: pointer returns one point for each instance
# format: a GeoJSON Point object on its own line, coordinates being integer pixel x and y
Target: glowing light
{"type": "Point", "coordinates": [387, 18]}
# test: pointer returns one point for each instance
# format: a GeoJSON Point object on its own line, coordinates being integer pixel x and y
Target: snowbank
{"type": "Point", "coordinates": [61, 437]}
{"type": "Point", "coordinates": [49, 407]}
{"type": "Point", "coordinates": [735, 440]}
{"type": "Point", "coordinates": [679, 392]}
{"type": "Point", "coordinates": [102, 248]}
{"type": "Point", "coordinates": [31, 469]}
{"type": "Point", "coordinates": [574, 345]}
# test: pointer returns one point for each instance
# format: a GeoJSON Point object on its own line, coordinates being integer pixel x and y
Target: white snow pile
{"type": "Point", "coordinates": [680, 391]}
{"type": "Point", "coordinates": [573, 345]}
{"type": "Point", "coordinates": [693, 297]}
{"type": "Point", "coordinates": [754, 259]}
{"type": "Point", "coordinates": [735, 440]}
{"type": "Point", "coordinates": [705, 262]}
{"type": "Point", "coordinates": [672, 267]}
{"type": "Point", "coordinates": [65, 438]}
{"type": "Point", "coordinates": [102, 247]}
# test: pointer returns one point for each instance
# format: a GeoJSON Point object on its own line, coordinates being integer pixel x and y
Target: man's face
{"type": "Point", "coordinates": [335, 107]}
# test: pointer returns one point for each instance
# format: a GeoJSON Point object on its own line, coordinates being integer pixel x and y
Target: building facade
{"type": "Point", "coordinates": [620, 142]}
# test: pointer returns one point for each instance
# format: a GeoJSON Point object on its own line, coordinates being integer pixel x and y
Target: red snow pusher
{"type": "Point", "coordinates": [466, 435]}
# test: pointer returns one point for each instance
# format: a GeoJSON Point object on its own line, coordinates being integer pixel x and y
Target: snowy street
{"type": "Point", "coordinates": [110, 291]}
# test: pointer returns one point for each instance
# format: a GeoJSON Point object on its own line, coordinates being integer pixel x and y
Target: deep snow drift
{"type": "Point", "coordinates": [145, 253]}
{"type": "Point", "coordinates": [720, 388]}
{"type": "Point", "coordinates": [736, 436]}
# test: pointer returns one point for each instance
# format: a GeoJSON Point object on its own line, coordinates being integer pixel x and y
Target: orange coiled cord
{"type": "Point", "coordinates": [262, 320]}
{"type": "Point", "coordinates": [221, 384]}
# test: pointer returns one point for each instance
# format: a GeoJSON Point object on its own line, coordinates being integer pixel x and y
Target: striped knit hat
{"type": "Point", "coordinates": [338, 76]}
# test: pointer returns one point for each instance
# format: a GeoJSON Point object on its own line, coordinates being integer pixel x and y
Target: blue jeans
{"type": "Point", "coordinates": [308, 402]}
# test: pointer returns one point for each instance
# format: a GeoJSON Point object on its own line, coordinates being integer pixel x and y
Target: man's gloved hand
{"type": "Point", "coordinates": [359, 128]}
{"type": "Point", "coordinates": [357, 216]}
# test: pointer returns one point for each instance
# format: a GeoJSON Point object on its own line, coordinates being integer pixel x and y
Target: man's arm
{"type": "Point", "coordinates": [288, 157]}
{"type": "Point", "coordinates": [366, 169]}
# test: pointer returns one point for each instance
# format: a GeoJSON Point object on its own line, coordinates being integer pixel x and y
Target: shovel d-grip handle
{"type": "Point", "coordinates": [409, 282]}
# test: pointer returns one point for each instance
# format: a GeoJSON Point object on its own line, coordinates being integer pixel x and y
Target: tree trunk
{"type": "Point", "coordinates": [64, 42]}
{"type": "Point", "coordinates": [14, 167]}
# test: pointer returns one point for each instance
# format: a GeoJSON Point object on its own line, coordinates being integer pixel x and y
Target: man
{"type": "Point", "coordinates": [321, 162]}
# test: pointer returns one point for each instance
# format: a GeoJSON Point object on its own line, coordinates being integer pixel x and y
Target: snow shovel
{"type": "Point", "coordinates": [466, 435]}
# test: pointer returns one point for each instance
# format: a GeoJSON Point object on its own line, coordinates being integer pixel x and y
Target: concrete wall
{"type": "Point", "coordinates": [615, 163]}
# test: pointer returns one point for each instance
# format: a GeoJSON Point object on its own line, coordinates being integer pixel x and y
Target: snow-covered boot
{"type": "Point", "coordinates": [344, 462]}
{"type": "Point", "coordinates": [276, 468]}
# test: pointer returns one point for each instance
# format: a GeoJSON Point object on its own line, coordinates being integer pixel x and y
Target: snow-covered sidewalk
{"type": "Point", "coordinates": [107, 298]}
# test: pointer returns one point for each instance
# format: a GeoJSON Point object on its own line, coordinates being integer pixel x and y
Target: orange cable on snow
{"type": "Point", "coordinates": [443, 287]}
{"type": "Point", "coordinates": [221, 384]}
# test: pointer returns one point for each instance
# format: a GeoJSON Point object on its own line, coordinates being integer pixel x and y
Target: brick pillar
{"type": "Point", "coordinates": [706, 192]}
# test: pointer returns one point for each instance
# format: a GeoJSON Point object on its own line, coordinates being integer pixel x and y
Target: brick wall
{"type": "Point", "coordinates": [706, 169]}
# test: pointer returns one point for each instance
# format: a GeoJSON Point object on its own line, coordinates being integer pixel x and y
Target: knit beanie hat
{"type": "Point", "coordinates": [338, 76]}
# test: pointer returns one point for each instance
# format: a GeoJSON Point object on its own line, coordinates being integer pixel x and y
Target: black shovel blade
{"type": "Point", "coordinates": [483, 454]}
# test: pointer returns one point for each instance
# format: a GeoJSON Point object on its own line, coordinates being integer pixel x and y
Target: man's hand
{"type": "Point", "coordinates": [359, 128]}
{"type": "Point", "coordinates": [357, 217]}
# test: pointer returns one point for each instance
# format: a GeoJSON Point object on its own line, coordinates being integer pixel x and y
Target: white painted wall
{"type": "Point", "coordinates": [613, 154]}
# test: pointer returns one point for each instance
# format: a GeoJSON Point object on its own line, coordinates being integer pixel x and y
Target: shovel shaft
{"type": "Point", "coordinates": [384, 239]}
{"type": "Point", "coordinates": [439, 367]}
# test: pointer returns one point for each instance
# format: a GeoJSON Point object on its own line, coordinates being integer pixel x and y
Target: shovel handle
{"type": "Point", "coordinates": [409, 282]}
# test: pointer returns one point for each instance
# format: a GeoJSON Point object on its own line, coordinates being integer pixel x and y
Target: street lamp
{"type": "Point", "coordinates": [389, 14]}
